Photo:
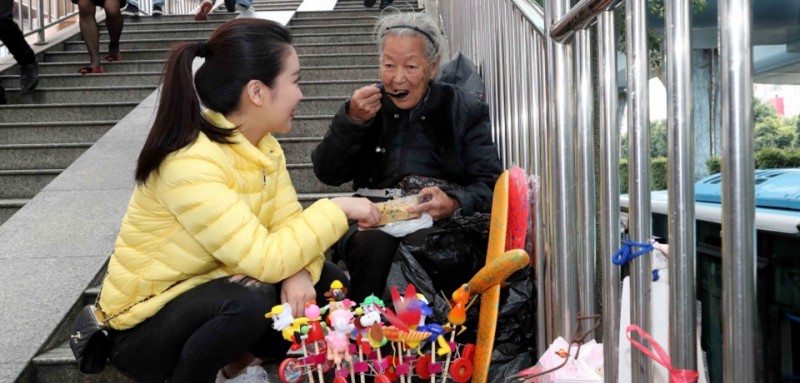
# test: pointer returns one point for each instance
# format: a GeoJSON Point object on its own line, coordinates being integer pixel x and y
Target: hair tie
{"type": "Point", "coordinates": [426, 34]}
{"type": "Point", "coordinates": [202, 51]}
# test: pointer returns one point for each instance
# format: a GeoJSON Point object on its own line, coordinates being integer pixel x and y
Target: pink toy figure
{"type": "Point", "coordinates": [314, 333]}
{"type": "Point", "coordinates": [338, 339]}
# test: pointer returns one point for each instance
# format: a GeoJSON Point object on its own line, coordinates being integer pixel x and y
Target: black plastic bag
{"type": "Point", "coordinates": [440, 259]}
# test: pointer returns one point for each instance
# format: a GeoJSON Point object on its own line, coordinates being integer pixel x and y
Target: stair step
{"type": "Point", "coordinates": [213, 18]}
{"type": "Point", "coordinates": [53, 132]}
{"type": "Point", "coordinates": [304, 180]}
{"type": "Point", "coordinates": [333, 48]}
{"type": "Point", "coordinates": [136, 55]}
{"type": "Point", "coordinates": [319, 105]}
{"type": "Point", "coordinates": [92, 80]}
{"type": "Point", "coordinates": [306, 126]}
{"type": "Point", "coordinates": [25, 183]}
{"type": "Point", "coordinates": [59, 365]}
{"type": "Point", "coordinates": [110, 67]}
{"type": "Point", "coordinates": [332, 88]}
{"type": "Point", "coordinates": [86, 94]}
{"type": "Point", "coordinates": [9, 207]}
{"type": "Point", "coordinates": [298, 149]}
{"type": "Point", "coordinates": [155, 23]}
{"type": "Point", "coordinates": [367, 19]}
{"type": "Point", "coordinates": [139, 34]}
{"type": "Point", "coordinates": [40, 156]}
{"type": "Point", "coordinates": [362, 27]}
{"type": "Point", "coordinates": [66, 111]}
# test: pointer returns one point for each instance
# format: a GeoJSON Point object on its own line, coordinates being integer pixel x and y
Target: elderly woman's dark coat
{"type": "Point", "coordinates": [456, 146]}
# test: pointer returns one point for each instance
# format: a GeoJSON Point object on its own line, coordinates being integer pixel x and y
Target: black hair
{"type": "Point", "coordinates": [237, 52]}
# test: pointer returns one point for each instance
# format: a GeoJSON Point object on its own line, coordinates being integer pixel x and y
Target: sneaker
{"type": "Point", "coordinates": [254, 374]}
{"type": "Point", "coordinates": [202, 13]}
{"type": "Point", "coordinates": [157, 10]}
{"type": "Point", "coordinates": [28, 77]}
{"type": "Point", "coordinates": [242, 8]}
{"type": "Point", "coordinates": [131, 10]}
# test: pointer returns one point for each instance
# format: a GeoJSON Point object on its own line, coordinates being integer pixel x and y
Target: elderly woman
{"type": "Point", "coordinates": [407, 135]}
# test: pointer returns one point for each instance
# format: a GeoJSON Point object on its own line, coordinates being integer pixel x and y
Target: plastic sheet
{"type": "Point", "coordinates": [446, 258]}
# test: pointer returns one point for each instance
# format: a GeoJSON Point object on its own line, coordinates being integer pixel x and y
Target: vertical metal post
{"type": "Point", "coordinates": [639, 174]}
{"type": "Point", "coordinates": [544, 257]}
{"type": "Point", "coordinates": [40, 38]}
{"type": "Point", "coordinates": [561, 103]}
{"type": "Point", "coordinates": [537, 143]}
{"type": "Point", "coordinates": [586, 232]}
{"type": "Point", "coordinates": [738, 195]}
{"type": "Point", "coordinates": [680, 150]}
{"type": "Point", "coordinates": [609, 191]}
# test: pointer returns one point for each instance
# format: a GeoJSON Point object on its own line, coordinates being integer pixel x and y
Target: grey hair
{"type": "Point", "coordinates": [396, 23]}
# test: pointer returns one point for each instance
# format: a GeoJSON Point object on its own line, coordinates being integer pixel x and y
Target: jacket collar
{"type": "Point", "coordinates": [268, 152]}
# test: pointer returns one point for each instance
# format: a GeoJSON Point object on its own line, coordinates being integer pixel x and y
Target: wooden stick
{"type": "Point", "coordinates": [433, 358]}
{"type": "Point", "coordinates": [305, 355]}
{"type": "Point", "coordinates": [319, 366]}
{"type": "Point", "coordinates": [447, 362]}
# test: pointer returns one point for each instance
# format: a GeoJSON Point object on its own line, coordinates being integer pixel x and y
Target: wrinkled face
{"type": "Point", "coordinates": [405, 69]}
{"type": "Point", "coordinates": [285, 95]}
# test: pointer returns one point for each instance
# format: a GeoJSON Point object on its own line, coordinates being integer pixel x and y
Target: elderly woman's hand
{"type": "Point", "coordinates": [439, 206]}
{"type": "Point", "coordinates": [365, 104]}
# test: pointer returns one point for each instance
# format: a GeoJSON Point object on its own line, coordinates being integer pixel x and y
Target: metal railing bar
{"type": "Point", "coordinates": [581, 16]}
{"type": "Point", "coordinates": [680, 151]}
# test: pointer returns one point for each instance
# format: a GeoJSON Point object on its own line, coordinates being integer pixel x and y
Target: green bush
{"type": "Point", "coordinates": [770, 158]}
{"type": "Point", "coordinates": [714, 165]}
{"type": "Point", "coordinates": [793, 158]}
{"type": "Point", "coordinates": [623, 175]}
{"type": "Point", "coordinates": [658, 174]}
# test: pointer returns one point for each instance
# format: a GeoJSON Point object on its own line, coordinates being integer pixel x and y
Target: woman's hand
{"type": "Point", "coordinates": [359, 209]}
{"type": "Point", "coordinates": [365, 104]}
{"type": "Point", "coordinates": [439, 206]}
{"type": "Point", "coordinates": [297, 290]}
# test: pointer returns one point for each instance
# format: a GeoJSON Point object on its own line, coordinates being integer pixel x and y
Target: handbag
{"type": "Point", "coordinates": [89, 341]}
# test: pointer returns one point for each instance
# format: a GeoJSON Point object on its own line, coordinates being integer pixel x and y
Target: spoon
{"type": "Point", "coordinates": [396, 94]}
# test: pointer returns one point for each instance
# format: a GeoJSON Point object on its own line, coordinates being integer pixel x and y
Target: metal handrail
{"type": "Point", "coordinates": [32, 21]}
{"type": "Point", "coordinates": [537, 87]}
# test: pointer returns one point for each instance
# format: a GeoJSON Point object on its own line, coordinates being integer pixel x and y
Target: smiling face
{"type": "Point", "coordinates": [284, 95]}
{"type": "Point", "coordinates": [405, 69]}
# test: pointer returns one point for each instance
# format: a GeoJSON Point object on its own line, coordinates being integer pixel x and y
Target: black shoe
{"type": "Point", "coordinates": [230, 5]}
{"type": "Point", "coordinates": [385, 3]}
{"type": "Point", "coordinates": [157, 10]}
{"type": "Point", "coordinates": [369, 3]}
{"type": "Point", "coordinates": [28, 77]}
{"type": "Point", "coordinates": [3, 100]}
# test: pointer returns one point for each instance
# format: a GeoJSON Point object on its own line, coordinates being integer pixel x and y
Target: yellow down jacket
{"type": "Point", "coordinates": [210, 211]}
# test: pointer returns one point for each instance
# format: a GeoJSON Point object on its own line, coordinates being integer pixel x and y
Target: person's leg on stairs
{"type": "Point", "coordinates": [114, 23]}
{"type": "Point", "coordinates": [90, 31]}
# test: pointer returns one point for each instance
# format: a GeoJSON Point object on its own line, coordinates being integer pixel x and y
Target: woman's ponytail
{"type": "Point", "coordinates": [179, 116]}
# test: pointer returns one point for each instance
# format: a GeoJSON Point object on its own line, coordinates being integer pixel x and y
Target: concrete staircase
{"type": "Point", "coordinates": [43, 134]}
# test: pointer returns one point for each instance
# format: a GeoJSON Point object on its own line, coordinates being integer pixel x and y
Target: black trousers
{"type": "Point", "coordinates": [204, 329]}
{"type": "Point", "coordinates": [12, 36]}
{"type": "Point", "coordinates": [368, 255]}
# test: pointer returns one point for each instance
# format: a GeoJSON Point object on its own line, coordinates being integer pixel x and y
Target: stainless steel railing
{"type": "Point", "coordinates": [540, 90]}
{"type": "Point", "coordinates": [45, 17]}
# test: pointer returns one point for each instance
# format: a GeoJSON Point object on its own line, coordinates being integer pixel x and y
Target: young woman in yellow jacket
{"type": "Point", "coordinates": [214, 235]}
